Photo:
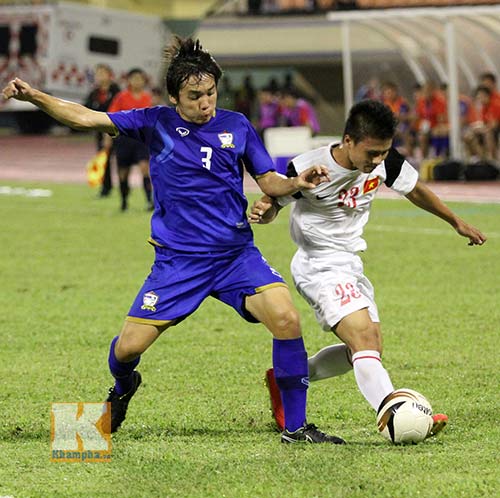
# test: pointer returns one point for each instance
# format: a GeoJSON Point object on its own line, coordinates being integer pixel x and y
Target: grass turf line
{"type": "Point", "coordinates": [200, 426]}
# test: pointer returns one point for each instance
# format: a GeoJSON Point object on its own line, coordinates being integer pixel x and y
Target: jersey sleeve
{"type": "Point", "coordinates": [256, 158]}
{"type": "Point", "coordinates": [137, 123]}
{"type": "Point", "coordinates": [401, 175]}
{"type": "Point", "coordinates": [284, 200]}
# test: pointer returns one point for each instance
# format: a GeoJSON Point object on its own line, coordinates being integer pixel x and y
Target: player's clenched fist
{"type": "Point", "coordinates": [17, 89]}
{"type": "Point", "coordinates": [262, 211]}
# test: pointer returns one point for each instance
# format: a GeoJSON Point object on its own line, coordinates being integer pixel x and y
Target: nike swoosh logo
{"type": "Point", "coordinates": [319, 197]}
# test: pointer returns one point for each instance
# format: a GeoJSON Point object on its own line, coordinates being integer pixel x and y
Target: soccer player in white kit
{"type": "Point", "coordinates": [327, 223]}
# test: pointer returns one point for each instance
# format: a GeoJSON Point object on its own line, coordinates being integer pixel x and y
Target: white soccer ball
{"type": "Point", "coordinates": [405, 417]}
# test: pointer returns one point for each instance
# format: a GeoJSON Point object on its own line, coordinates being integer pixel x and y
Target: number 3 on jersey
{"type": "Point", "coordinates": [206, 160]}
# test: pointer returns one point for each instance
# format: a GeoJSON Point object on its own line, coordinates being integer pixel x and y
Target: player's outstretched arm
{"type": "Point", "coordinates": [264, 210]}
{"type": "Point", "coordinates": [424, 198]}
{"type": "Point", "coordinates": [276, 185]}
{"type": "Point", "coordinates": [74, 115]}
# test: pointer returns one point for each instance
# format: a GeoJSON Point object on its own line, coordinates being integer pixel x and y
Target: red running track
{"type": "Point", "coordinates": [63, 160]}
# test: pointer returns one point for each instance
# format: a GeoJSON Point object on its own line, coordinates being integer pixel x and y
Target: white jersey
{"type": "Point", "coordinates": [332, 216]}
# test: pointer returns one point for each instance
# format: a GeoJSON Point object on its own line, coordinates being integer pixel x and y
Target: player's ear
{"type": "Point", "coordinates": [347, 140]}
{"type": "Point", "coordinates": [172, 100]}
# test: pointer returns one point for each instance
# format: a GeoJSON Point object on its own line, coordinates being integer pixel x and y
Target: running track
{"type": "Point", "coordinates": [62, 160]}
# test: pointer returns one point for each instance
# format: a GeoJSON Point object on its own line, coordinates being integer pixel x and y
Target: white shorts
{"type": "Point", "coordinates": [334, 285]}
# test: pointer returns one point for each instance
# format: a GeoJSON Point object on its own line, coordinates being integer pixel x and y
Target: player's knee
{"type": "Point", "coordinates": [286, 324]}
{"type": "Point", "coordinates": [128, 349]}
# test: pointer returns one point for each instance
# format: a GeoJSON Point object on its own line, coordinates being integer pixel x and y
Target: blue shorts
{"type": "Point", "coordinates": [179, 282]}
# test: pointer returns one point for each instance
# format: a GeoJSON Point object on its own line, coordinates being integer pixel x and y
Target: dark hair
{"type": "Point", "coordinates": [483, 89]}
{"type": "Point", "coordinates": [136, 70]}
{"type": "Point", "coordinates": [391, 85]}
{"type": "Point", "coordinates": [370, 119]}
{"type": "Point", "coordinates": [488, 76]}
{"type": "Point", "coordinates": [186, 58]}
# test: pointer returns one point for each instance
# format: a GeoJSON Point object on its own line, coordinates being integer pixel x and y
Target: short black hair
{"type": "Point", "coordinates": [136, 70]}
{"type": "Point", "coordinates": [370, 119]}
{"type": "Point", "coordinates": [488, 76]}
{"type": "Point", "coordinates": [483, 89]}
{"type": "Point", "coordinates": [185, 58]}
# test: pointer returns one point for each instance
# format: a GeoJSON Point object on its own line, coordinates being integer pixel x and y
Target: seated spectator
{"type": "Point", "coordinates": [370, 90]}
{"type": "Point", "coordinates": [296, 111]}
{"type": "Point", "coordinates": [490, 80]}
{"type": "Point", "coordinates": [432, 121]}
{"type": "Point", "coordinates": [482, 139]}
{"type": "Point", "coordinates": [269, 109]}
{"type": "Point", "coordinates": [401, 109]}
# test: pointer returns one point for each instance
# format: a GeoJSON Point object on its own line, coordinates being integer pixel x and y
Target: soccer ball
{"type": "Point", "coordinates": [405, 417]}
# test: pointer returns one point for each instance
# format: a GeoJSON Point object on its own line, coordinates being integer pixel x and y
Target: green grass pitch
{"type": "Point", "coordinates": [200, 426]}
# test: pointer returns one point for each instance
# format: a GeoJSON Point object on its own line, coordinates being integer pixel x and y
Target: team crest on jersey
{"type": "Point", "coordinates": [182, 131]}
{"type": "Point", "coordinates": [149, 300]}
{"type": "Point", "coordinates": [226, 140]}
{"type": "Point", "coordinates": [371, 184]}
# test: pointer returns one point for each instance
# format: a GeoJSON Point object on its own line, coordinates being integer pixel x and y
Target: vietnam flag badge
{"type": "Point", "coordinates": [371, 184]}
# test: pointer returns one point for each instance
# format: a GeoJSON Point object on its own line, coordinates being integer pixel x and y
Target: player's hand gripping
{"type": "Point", "coordinates": [17, 89]}
{"type": "Point", "coordinates": [312, 177]}
{"type": "Point", "coordinates": [472, 233]}
{"type": "Point", "coordinates": [262, 211]}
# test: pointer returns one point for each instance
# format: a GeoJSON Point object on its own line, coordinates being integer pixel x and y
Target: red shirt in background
{"type": "Point", "coordinates": [490, 113]}
{"type": "Point", "coordinates": [433, 110]}
{"type": "Point", "coordinates": [125, 101]}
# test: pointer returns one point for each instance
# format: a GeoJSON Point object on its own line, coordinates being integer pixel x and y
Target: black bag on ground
{"type": "Point", "coordinates": [481, 171]}
{"type": "Point", "coordinates": [447, 170]}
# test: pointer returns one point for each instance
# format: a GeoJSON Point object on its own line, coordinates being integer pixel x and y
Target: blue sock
{"type": "Point", "coordinates": [292, 376]}
{"type": "Point", "coordinates": [122, 372]}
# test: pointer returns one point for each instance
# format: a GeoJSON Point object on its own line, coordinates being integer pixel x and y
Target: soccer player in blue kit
{"type": "Point", "coordinates": [199, 229]}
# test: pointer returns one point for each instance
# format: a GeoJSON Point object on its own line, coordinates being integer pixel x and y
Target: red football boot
{"type": "Point", "coordinates": [275, 396]}
{"type": "Point", "coordinates": [440, 420]}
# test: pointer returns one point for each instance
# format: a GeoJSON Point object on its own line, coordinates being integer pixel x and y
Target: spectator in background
{"type": "Point", "coordinates": [432, 121]}
{"type": "Point", "coordinates": [296, 111]}
{"type": "Point", "coordinates": [226, 94]}
{"type": "Point", "coordinates": [129, 151]}
{"type": "Point", "coordinates": [401, 109]}
{"type": "Point", "coordinates": [482, 139]}
{"type": "Point", "coordinates": [269, 110]}
{"type": "Point", "coordinates": [245, 98]}
{"type": "Point", "coordinates": [325, 5]}
{"type": "Point", "coordinates": [467, 112]}
{"type": "Point", "coordinates": [99, 99]}
{"type": "Point", "coordinates": [157, 96]}
{"type": "Point", "coordinates": [490, 80]}
{"type": "Point", "coordinates": [370, 90]}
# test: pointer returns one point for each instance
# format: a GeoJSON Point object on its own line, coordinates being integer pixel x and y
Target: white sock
{"type": "Point", "coordinates": [372, 378]}
{"type": "Point", "coordinates": [329, 362]}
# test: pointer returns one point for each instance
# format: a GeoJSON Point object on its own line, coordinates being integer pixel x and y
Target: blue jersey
{"type": "Point", "coordinates": [197, 176]}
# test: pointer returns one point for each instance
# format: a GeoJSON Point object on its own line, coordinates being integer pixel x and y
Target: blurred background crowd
{"type": "Point", "coordinates": [283, 64]}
